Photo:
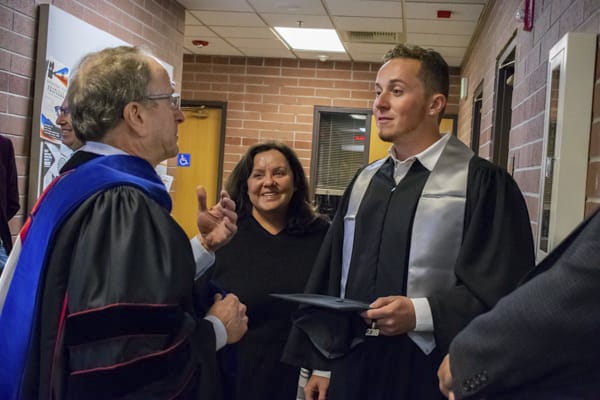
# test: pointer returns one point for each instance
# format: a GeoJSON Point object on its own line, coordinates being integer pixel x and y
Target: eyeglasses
{"type": "Point", "coordinates": [174, 99]}
{"type": "Point", "coordinates": [62, 110]}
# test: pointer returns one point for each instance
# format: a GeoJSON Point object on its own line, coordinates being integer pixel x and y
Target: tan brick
{"type": "Point", "coordinates": [334, 93]}
{"type": "Point", "coordinates": [351, 103]}
{"type": "Point", "coordinates": [284, 136]}
{"type": "Point", "coordinates": [263, 89]}
{"type": "Point", "coordinates": [252, 70]}
{"type": "Point", "coordinates": [277, 117]}
{"type": "Point", "coordinates": [318, 83]}
{"type": "Point", "coordinates": [334, 74]}
{"type": "Point", "coordinates": [302, 145]}
{"type": "Point", "coordinates": [595, 140]}
{"type": "Point", "coordinates": [364, 76]}
{"type": "Point", "coordinates": [304, 136]}
{"type": "Point", "coordinates": [234, 141]}
{"type": "Point", "coordinates": [593, 180]}
{"type": "Point", "coordinates": [249, 141]}
{"type": "Point", "coordinates": [244, 97]}
{"type": "Point", "coordinates": [591, 207]}
{"type": "Point", "coordinates": [260, 108]}
{"type": "Point", "coordinates": [272, 62]}
{"type": "Point", "coordinates": [304, 119]}
{"type": "Point", "coordinates": [303, 73]}
{"type": "Point", "coordinates": [528, 180]}
{"type": "Point", "coordinates": [230, 69]}
{"type": "Point", "coordinates": [270, 99]}
{"type": "Point", "coordinates": [296, 109]}
{"type": "Point", "coordinates": [366, 95]}
{"type": "Point", "coordinates": [288, 62]}
{"type": "Point", "coordinates": [313, 100]}
{"type": "Point", "coordinates": [234, 123]}
{"type": "Point", "coordinates": [298, 91]}
{"type": "Point", "coordinates": [243, 115]}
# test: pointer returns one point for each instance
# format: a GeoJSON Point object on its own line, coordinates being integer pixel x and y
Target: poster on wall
{"type": "Point", "coordinates": [53, 153]}
{"type": "Point", "coordinates": [55, 90]}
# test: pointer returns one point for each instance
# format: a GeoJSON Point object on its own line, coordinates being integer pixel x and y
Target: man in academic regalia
{"type": "Point", "coordinates": [99, 303]}
{"type": "Point", "coordinates": [430, 236]}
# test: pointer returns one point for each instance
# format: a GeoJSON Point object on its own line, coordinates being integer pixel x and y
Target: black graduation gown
{"type": "Point", "coordinates": [496, 252]}
{"type": "Point", "coordinates": [254, 264]}
{"type": "Point", "coordinates": [120, 248]}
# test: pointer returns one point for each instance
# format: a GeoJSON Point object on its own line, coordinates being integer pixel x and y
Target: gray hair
{"type": "Point", "coordinates": [102, 85]}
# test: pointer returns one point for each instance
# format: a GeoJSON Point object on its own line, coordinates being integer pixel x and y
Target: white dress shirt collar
{"type": "Point", "coordinates": [101, 148]}
{"type": "Point", "coordinates": [428, 158]}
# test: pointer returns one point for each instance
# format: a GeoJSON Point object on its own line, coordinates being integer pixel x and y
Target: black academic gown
{"type": "Point", "coordinates": [254, 264]}
{"type": "Point", "coordinates": [131, 331]}
{"type": "Point", "coordinates": [496, 252]}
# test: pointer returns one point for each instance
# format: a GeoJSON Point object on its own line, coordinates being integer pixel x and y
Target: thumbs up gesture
{"type": "Point", "coordinates": [218, 224]}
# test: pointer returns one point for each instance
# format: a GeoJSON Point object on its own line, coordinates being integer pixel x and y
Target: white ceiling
{"type": "Point", "coordinates": [367, 28]}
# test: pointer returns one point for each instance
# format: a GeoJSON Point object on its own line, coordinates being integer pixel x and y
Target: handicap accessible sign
{"type": "Point", "coordinates": [183, 160]}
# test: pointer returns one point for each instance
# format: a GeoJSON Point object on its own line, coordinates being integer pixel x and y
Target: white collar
{"type": "Point", "coordinates": [428, 157]}
{"type": "Point", "coordinates": [101, 148]}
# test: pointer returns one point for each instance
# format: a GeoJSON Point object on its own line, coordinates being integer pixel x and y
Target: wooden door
{"type": "Point", "coordinates": [200, 137]}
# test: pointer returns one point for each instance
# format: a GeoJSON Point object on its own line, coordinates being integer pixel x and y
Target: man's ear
{"type": "Point", "coordinates": [134, 116]}
{"type": "Point", "coordinates": [438, 103]}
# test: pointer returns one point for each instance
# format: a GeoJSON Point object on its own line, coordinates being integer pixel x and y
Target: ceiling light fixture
{"type": "Point", "coordinates": [309, 39]}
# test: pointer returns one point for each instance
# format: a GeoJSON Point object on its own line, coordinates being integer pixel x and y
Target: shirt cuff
{"type": "Point", "coordinates": [324, 374]}
{"type": "Point", "coordinates": [204, 258]}
{"type": "Point", "coordinates": [220, 332]}
{"type": "Point", "coordinates": [424, 319]}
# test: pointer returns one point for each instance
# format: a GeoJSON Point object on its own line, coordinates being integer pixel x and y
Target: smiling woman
{"type": "Point", "coordinates": [273, 251]}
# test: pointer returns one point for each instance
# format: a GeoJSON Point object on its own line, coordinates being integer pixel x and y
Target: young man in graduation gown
{"type": "Point", "coordinates": [540, 341]}
{"type": "Point", "coordinates": [430, 236]}
{"type": "Point", "coordinates": [98, 303]}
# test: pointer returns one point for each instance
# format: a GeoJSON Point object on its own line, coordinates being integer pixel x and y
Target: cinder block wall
{"type": "Point", "coordinates": [157, 24]}
{"type": "Point", "coordinates": [552, 19]}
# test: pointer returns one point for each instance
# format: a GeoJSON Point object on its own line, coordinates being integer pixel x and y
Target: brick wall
{"type": "Point", "coordinates": [157, 24]}
{"type": "Point", "coordinates": [593, 177]}
{"type": "Point", "coordinates": [274, 98]}
{"type": "Point", "coordinates": [552, 19]}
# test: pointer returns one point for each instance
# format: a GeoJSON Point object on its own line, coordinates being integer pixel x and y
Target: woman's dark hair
{"type": "Point", "coordinates": [300, 212]}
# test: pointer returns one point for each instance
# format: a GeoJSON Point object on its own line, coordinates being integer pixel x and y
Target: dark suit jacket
{"type": "Point", "coordinates": [9, 193]}
{"type": "Point", "coordinates": [543, 340]}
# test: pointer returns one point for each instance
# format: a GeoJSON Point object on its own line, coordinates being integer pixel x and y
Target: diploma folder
{"type": "Point", "coordinates": [320, 300]}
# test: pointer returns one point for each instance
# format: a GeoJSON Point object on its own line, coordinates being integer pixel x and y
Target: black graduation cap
{"type": "Point", "coordinates": [324, 301]}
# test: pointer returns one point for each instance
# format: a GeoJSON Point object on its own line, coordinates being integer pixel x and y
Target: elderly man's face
{"type": "Point", "coordinates": [165, 116]}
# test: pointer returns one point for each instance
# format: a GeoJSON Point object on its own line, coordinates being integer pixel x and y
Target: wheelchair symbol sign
{"type": "Point", "coordinates": [183, 160]}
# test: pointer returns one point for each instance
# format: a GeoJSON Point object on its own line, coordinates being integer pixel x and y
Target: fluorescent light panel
{"type": "Point", "coordinates": [311, 39]}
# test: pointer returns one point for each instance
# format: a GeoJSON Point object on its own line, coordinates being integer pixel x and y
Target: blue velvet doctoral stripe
{"type": "Point", "coordinates": [59, 202]}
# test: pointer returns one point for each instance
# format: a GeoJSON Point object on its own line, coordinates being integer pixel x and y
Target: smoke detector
{"type": "Point", "coordinates": [200, 43]}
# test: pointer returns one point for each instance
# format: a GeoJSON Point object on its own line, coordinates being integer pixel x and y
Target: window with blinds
{"type": "Point", "coordinates": [340, 148]}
